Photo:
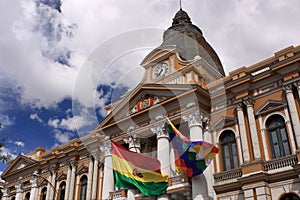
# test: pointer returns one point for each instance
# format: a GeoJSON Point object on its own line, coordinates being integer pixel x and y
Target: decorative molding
{"type": "Point", "coordinates": [195, 119]}
{"type": "Point", "coordinates": [249, 102]}
{"type": "Point", "coordinates": [106, 148]}
{"type": "Point", "coordinates": [61, 176]}
{"type": "Point", "coordinates": [160, 131]}
{"type": "Point", "coordinates": [82, 169]}
{"type": "Point", "coordinates": [270, 106]}
{"type": "Point", "coordinates": [288, 88]}
{"type": "Point", "coordinates": [146, 101]}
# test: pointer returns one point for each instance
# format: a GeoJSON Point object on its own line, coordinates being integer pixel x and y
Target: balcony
{"type": "Point", "coordinates": [228, 175]}
{"type": "Point", "coordinates": [280, 163]}
{"type": "Point", "coordinates": [179, 183]}
{"type": "Point", "coordinates": [118, 194]}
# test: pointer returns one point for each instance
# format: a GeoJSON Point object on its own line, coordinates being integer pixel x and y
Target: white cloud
{"type": "Point", "coordinates": [62, 137]}
{"type": "Point", "coordinates": [241, 32]}
{"type": "Point", "coordinates": [5, 152]}
{"type": "Point", "coordinates": [19, 144]}
{"type": "Point", "coordinates": [5, 121]}
{"type": "Point", "coordinates": [35, 116]}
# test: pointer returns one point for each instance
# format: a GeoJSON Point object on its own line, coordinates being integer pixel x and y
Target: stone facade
{"type": "Point", "coordinates": [252, 115]}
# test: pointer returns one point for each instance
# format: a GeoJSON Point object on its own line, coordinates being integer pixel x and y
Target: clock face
{"type": "Point", "coordinates": [160, 69]}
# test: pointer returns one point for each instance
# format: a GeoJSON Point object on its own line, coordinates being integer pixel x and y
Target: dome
{"type": "Point", "coordinates": [190, 42]}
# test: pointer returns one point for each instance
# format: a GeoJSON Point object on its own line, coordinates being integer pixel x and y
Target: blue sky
{"type": "Point", "coordinates": [47, 45]}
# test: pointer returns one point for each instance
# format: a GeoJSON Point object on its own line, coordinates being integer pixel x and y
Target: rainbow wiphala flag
{"type": "Point", "coordinates": [191, 157]}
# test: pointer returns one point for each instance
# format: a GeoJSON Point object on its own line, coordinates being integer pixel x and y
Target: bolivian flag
{"type": "Point", "coordinates": [136, 171]}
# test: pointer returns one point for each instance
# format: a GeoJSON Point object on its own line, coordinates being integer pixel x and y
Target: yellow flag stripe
{"type": "Point", "coordinates": [126, 168]}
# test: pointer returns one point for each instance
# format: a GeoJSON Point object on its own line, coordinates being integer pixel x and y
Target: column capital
{"type": "Point", "coordinates": [5, 192]}
{"type": "Point", "coordinates": [19, 188]}
{"type": "Point", "coordinates": [248, 102]}
{"type": "Point", "coordinates": [34, 182]}
{"type": "Point", "coordinates": [106, 148]}
{"type": "Point", "coordinates": [194, 119]}
{"type": "Point", "coordinates": [160, 131]}
{"type": "Point", "coordinates": [133, 142]}
{"type": "Point", "coordinates": [297, 84]}
{"type": "Point", "coordinates": [288, 88]}
{"type": "Point", "coordinates": [239, 106]}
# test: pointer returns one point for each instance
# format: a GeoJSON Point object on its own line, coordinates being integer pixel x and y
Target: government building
{"type": "Point", "coordinates": [251, 115]}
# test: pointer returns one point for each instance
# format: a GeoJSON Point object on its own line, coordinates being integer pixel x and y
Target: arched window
{"type": "Point", "coordinates": [43, 194]}
{"type": "Point", "coordinates": [278, 138]}
{"type": "Point", "coordinates": [14, 198]}
{"type": "Point", "coordinates": [289, 196]}
{"type": "Point", "coordinates": [229, 150]}
{"type": "Point", "coordinates": [27, 196]}
{"type": "Point", "coordinates": [62, 191]}
{"type": "Point", "coordinates": [83, 187]}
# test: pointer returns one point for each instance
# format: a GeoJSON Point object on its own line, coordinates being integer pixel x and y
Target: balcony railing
{"type": "Point", "coordinates": [227, 175]}
{"type": "Point", "coordinates": [179, 179]}
{"type": "Point", "coordinates": [280, 163]}
{"type": "Point", "coordinates": [118, 194]}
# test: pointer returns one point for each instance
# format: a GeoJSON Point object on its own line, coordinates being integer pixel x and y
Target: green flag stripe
{"type": "Point", "coordinates": [146, 188]}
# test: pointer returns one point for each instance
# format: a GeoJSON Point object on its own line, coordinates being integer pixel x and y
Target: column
{"type": "Point", "coordinates": [95, 178]}
{"type": "Point", "coordinates": [68, 183]}
{"type": "Point", "coordinates": [34, 189]}
{"type": "Point", "coordinates": [216, 143]}
{"type": "Point", "coordinates": [297, 84]}
{"type": "Point", "coordinates": [134, 146]}
{"type": "Point", "coordinates": [19, 191]}
{"type": "Point", "coordinates": [238, 143]}
{"type": "Point", "coordinates": [49, 188]}
{"type": "Point", "coordinates": [253, 129]}
{"type": "Point", "coordinates": [52, 187]}
{"type": "Point", "coordinates": [72, 180]}
{"type": "Point", "coordinates": [263, 137]}
{"type": "Point", "coordinates": [195, 125]}
{"type": "Point", "coordinates": [90, 179]}
{"type": "Point", "coordinates": [199, 182]}
{"type": "Point", "coordinates": [163, 149]}
{"type": "Point", "coordinates": [290, 131]}
{"type": "Point", "coordinates": [293, 112]}
{"type": "Point", "coordinates": [243, 134]}
{"type": "Point", "coordinates": [108, 181]}
{"type": "Point", "coordinates": [5, 194]}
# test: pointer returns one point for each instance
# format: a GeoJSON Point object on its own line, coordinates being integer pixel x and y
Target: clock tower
{"type": "Point", "coordinates": [184, 57]}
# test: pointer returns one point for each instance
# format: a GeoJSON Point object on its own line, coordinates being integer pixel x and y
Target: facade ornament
{"type": "Point", "coordinates": [106, 148]}
{"type": "Point", "coordinates": [160, 130]}
{"type": "Point", "coordinates": [19, 188]}
{"type": "Point", "coordinates": [194, 119]}
{"type": "Point", "coordinates": [248, 102]}
{"type": "Point", "coordinates": [239, 106]}
{"type": "Point", "coordinates": [34, 182]}
{"type": "Point", "coordinates": [133, 142]}
{"type": "Point", "coordinates": [288, 88]}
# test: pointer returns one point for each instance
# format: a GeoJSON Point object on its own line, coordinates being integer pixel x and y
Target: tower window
{"type": "Point", "coordinates": [228, 150]}
{"type": "Point", "coordinates": [278, 138]}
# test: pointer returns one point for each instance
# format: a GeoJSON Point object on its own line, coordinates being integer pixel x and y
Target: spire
{"type": "Point", "coordinates": [180, 4]}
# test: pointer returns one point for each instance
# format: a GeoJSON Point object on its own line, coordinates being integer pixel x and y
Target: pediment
{"type": "Point", "coordinates": [270, 106]}
{"type": "Point", "coordinates": [61, 176]}
{"type": "Point", "coordinates": [82, 169]}
{"type": "Point", "coordinates": [143, 98]}
{"type": "Point", "coordinates": [158, 54]}
{"type": "Point", "coordinates": [223, 122]}
{"type": "Point", "coordinates": [21, 162]}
